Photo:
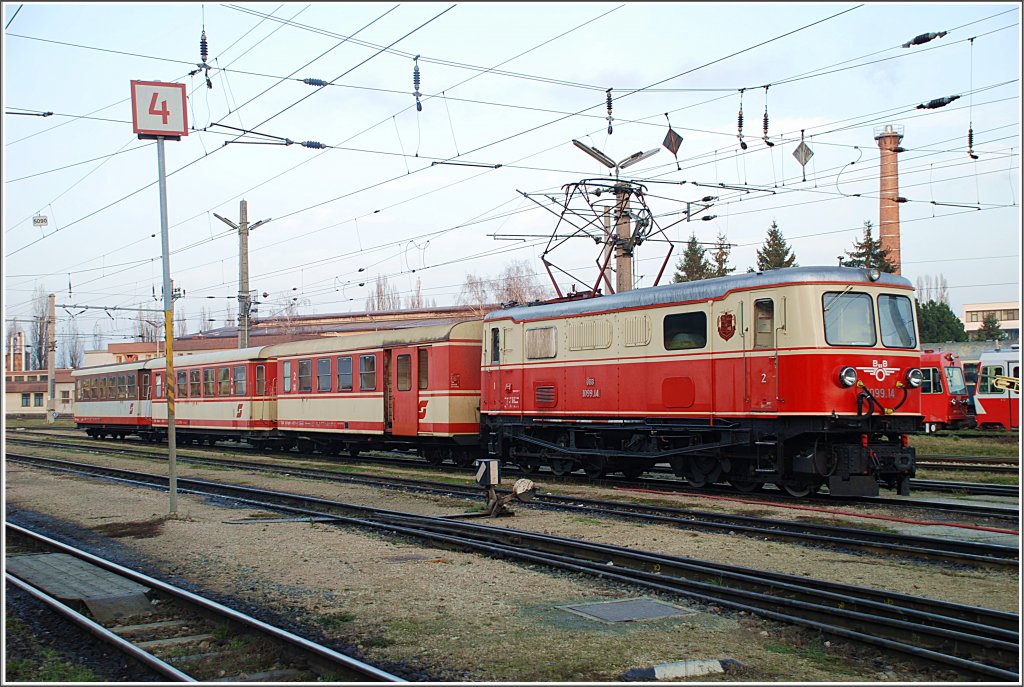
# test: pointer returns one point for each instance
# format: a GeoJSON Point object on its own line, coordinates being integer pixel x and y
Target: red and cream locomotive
{"type": "Point", "coordinates": [799, 377]}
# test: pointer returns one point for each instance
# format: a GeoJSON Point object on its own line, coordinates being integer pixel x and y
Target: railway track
{"type": "Point", "coordinates": [672, 484]}
{"type": "Point", "coordinates": [846, 538]}
{"type": "Point", "coordinates": [183, 636]}
{"type": "Point", "coordinates": [974, 642]}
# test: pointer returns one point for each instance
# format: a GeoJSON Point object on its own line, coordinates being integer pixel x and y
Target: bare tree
{"type": "Point", "coordinates": [146, 330]}
{"type": "Point", "coordinates": [37, 330]}
{"type": "Point", "coordinates": [180, 323]}
{"type": "Point", "coordinates": [475, 291]}
{"type": "Point", "coordinates": [416, 300]}
{"type": "Point", "coordinates": [97, 336]}
{"type": "Point", "coordinates": [932, 289]}
{"type": "Point", "coordinates": [518, 283]}
{"type": "Point", "coordinates": [205, 316]}
{"type": "Point", "coordinates": [384, 296]}
{"type": "Point", "coordinates": [74, 348]}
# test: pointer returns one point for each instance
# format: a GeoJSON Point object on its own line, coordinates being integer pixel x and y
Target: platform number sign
{"type": "Point", "coordinates": [159, 109]}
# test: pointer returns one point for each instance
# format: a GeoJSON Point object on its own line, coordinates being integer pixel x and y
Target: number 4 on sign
{"type": "Point", "coordinates": [163, 111]}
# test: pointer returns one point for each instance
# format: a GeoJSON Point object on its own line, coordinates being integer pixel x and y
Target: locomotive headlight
{"type": "Point", "coordinates": [847, 376]}
{"type": "Point", "coordinates": [874, 274]}
{"type": "Point", "coordinates": [914, 377]}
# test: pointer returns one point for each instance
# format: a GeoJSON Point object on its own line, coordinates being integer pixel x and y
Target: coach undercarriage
{"type": "Point", "coordinates": [850, 457]}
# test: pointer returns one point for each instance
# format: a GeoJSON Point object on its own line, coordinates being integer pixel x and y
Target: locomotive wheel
{"type": "Point", "coordinates": [746, 487]}
{"type": "Point", "coordinates": [595, 469]}
{"type": "Point", "coordinates": [800, 491]}
{"type": "Point", "coordinates": [562, 466]}
{"type": "Point", "coordinates": [633, 470]}
{"type": "Point", "coordinates": [529, 467]}
{"type": "Point", "coordinates": [702, 471]}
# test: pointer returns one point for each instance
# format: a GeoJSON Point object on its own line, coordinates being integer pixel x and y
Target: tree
{"type": "Point", "coordinates": [180, 323]}
{"type": "Point", "coordinates": [720, 257]}
{"type": "Point", "coordinates": [146, 330]}
{"type": "Point", "coordinates": [517, 283]}
{"type": "Point", "coordinates": [694, 264]}
{"type": "Point", "coordinates": [73, 349]}
{"type": "Point", "coordinates": [990, 329]}
{"type": "Point", "coordinates": [474, 291]}
{"type": "Point", "coordinates": [37, 331]}
{"type": "Point", "coordinates": [384, 296]}
{"type": "Point", "coordinates": [205, 317]}
{"type": "Point", "coordinates": [938, 323]}
{"type": "Point", "coordinates": [775, 252]}
{"type": "Point", "coordinates": [869, 253]}
{"type": "Point", "coordinates": [416, 300]}
{"type": "Point", "coordinates": [97, 336]}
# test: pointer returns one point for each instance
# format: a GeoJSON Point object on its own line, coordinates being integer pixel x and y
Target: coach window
{"type": "Point", "coordinates": [403, 372]}
{"type": "Point", "coordinates": [182, 390]}
{"type": "Point", "coordinates": [239, 373]}
{"type": "Point", "coordinates": [685, 331]}
{"type": "Point", "coordinates": [345, 373]}
{"type": "Point", "coordinates": [209, 382]}
{"type": "Point", "coordinates": [223, 381]}
{"type": "Point", "coordinates": [133, 389]}
{"type": "Point", "coordinates": [367, 372]}
{"type": "Point", "coordinates": [986, 377]}
{"type": "Point", "coordinates": [122, 390]}
{"type": "Point", "coordinates": [495, 345]}
{"type": "Point", "coordinates": [145, 386]}
{"type": "Point", "coordinates": [286, 387]}
{"type": "Point", "coordinates": [158, 387]}
{"type": "Point", "coordinates": [305, 375]}
{"type": "Point", "coordinates": [195, 384]}
{"type": "Point", "coordinates": [896, 316]}
{"type": "Point", "coordinates": [261, 380]}
{"type": "Point", "coordinates": [323, 374]}
{"type": "Point", "coordinates": [849, 319]}
{"type": "Point", "coordinates": [422, 371]}
{"type": "Point", "coordinates": [764, 323]}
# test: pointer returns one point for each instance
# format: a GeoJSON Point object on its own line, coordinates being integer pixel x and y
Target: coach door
{"type": "Point", "coordinates": [403, 392]}
{"type": "Point", "coordinates": [762, 357]}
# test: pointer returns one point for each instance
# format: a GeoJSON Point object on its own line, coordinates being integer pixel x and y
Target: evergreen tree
{"type": "Point", "coordinates": [694, 264]}
{"type": "Point", "coordinates": [938, 323]}
{"type": "Point", "coordinates": [869, 253]}
{"type": "Point", "coordinates": [990, 329]}
{"type": "Point", "coordinates": [775, 253]}
{"type": "Point", "coordinates": [720, 258]}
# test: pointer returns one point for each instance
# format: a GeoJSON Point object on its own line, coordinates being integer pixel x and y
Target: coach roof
{"type": "Point", "coordinates": [703, 290]}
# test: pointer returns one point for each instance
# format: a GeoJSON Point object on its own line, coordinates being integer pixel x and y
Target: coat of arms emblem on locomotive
{"type": "Point", "coordinates": [726, 325]}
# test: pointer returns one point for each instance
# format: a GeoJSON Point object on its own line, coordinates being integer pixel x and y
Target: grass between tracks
{"type": "Point", "coordinates": [36, 663]}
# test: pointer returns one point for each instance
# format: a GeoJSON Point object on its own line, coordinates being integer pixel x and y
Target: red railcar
{"type": "Point", "coordinates": [996, 405]}
{"type": "Point", "coordinates": [945, 403]}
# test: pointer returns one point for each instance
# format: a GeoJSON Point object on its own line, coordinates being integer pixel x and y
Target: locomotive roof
{"type": "Point", "coordinates": [703, 290]}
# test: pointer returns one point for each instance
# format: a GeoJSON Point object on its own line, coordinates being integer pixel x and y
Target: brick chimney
{"type": "Point", "coordinates": [889, 191]}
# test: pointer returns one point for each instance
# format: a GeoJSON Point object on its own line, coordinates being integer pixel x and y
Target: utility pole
{"type": "Point", "coordinates": [51, 354]}
{"type": "Point", "coordinates": [244, 299]}
{"type": "Point", "coordinates": [623, 241]}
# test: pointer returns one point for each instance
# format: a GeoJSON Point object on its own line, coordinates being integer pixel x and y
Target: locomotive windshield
{"type": "Point", "coordinates": [896, 315]}
{"type": "Point", "coordinates": [849, 319]}
{"type": "Point", "coordinates": [955, 380]}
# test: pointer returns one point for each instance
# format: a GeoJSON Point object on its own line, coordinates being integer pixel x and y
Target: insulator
{"type": "Point", "coordinates": [312, 144]}
{"type": "Point", "coordinates": [608, 101]}
{"type": "Point", "coordinates": [314, 82]}
{"type": "Point", "coordinates": [416, 83]}
{"type": "Point", "coordinates": [204, 50]}
{"type": "Point", "coordinates": [970, 143]}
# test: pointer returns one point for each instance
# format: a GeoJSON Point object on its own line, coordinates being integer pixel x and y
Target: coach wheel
{"type": "Point", "coordinates": [433, 456]}
{"type": "Point", "coordinates": [595, 468]}
{"type": "Point", "coordinates": [746, 487]}
{"type": "Point", "coordinates": [562, 466]}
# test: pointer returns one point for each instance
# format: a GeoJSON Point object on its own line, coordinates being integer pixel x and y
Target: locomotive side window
{"type": "Point", "coordinates": [209, 382]}
{"type": "Point", "coordinates": [896, 316]}
{"type": "Point", "coordinates": [764, 323]}
{"type": "Point", "coordinates": [261, 380]}
{"type": "Point", "coordinates": [345, 373]}
{"type": "Point", "coordinates": [239, 373]}
{"type": "Point", "coordinates": [541, 342]}
{"type": "Point", "coordinates": [224, 381]}
{"type": "Point", "coordinates": [931, 383]}
{"type": "Point", "coordinates": [367, 372]}
{"type": "Point", "coordinates": [955, 380]}
{"type": "Point", "coordinates": [986, 377]}
{"type": "Point", "coordinates": [194, 383]}
{"type": "Point", "coordinates": [403, 372]}
{"type": "Point", "coordinates": [287, 373]}
{"type": "Point", "coordinates": [323, 374]}
{"type": "Point", "coordinates": [422, 372]}
{"type": "Point", "coordinates": [849, 319]}
{"type": "Point", "coordinates": [685, 331]}
{"type": "Point", "coordinates": [495, 345]}
{"type": "Point", "coordinates": [305, 375]}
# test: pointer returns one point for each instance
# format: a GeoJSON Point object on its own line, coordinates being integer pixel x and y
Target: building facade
{"type": "Point", "coordinates": [1007, 313]}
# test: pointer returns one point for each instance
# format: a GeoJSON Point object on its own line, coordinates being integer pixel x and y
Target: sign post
{"type": "Point", "coordinates": [159, 112]}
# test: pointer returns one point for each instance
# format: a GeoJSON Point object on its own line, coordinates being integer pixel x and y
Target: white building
{"type": "Point", "coordinates": [1006, 312]}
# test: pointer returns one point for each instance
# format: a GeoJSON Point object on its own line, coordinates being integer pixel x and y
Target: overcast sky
{"type": "Point", "coordinates": [509, 84]}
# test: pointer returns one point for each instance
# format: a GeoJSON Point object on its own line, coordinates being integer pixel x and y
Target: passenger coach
{"type": "Point", "coordinates": [801, 377]}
